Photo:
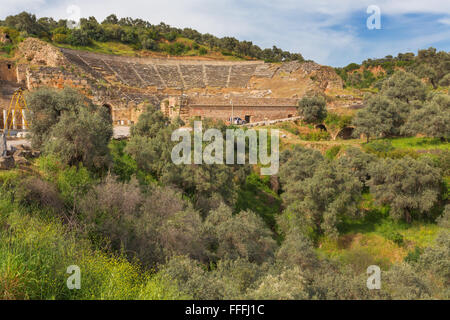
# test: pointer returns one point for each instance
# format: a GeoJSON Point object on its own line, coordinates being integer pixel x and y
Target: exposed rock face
{"type": "Point", "coordinates": [41, 53]}
{"type": "Point", "coordinates": [4, 38]}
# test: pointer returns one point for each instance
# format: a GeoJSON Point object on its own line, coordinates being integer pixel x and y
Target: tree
{"type": "Point", "coordinates": [69, 125]}
{"type": "Point", "coordinates": [82, 137]}
{"type": "Point", "coordinates": [357, 162]}
{"type": "Point", "coordinates": [410, 187]}
{"type": "Point", "coordinates": [404, 86]}
{"type": "Point", "coordinates": [26, 22]}
{"type": "Point", "coordinates": [433, 119]}
{"type": "Point", "coordinates": [432, 65]}
{"type": "Point", "coordinates": [312, 109]}
{"type": "Point", "coordinates": [297, 164]}
{"type": "Point", "coordinates": [380, 117]}
{"type": "Point", "coordinates": [243, 235]}
{"type": "Point", "coordinates": [319, 203]}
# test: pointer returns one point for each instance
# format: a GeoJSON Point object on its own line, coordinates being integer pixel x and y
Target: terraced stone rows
{"type": "Point", "coordinates": [171, 74]}
{"type": "Point", "coordinates": [149, 75]}
{"type": "Point", "coordinates": [217, 75]}
{"type": "Point", "coordinates": [240, 75]}
{"type": "Point", "coordinates": [192, 75]}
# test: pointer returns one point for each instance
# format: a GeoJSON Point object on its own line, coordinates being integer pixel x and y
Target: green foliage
{"type": "Point", "coordinates": [139, 34]}
{"type": "Point", "coordinates": [66, 124]}
{"type": "Point", "coordinates": [336, 120]}
{"type": "Point", "coordinates": [34, 256]}
{"type": "Point", "coordinates": [312, 109]}
{"type": "Point", "coordinates": [243, 235]}
{"type": "Point", "coordinates": [256, 195]}
{"type": "Point", "coordinates": [323, 200]}
{"type": "Point", "coordinates": [315, 135]}
{"type": "Point", "coordinates": [123, 165]}
{"type": "Point", "coordinates": [331, 153]}
{"type": "Point", "coordinates": [432, 65]}
{"type": "Point", "coordinates": [405, 87]}
{"type": "Point", "coordinates": [433, 119]}
{"type": "Point", "coordinates": [73, 183]}
{"type": "Point", "coordinates": [411, 187]}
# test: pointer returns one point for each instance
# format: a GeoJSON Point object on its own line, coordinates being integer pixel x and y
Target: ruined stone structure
{"type": "Point", "coordinates": [251, 90]}
{"type": "Point", "coordinates": [221, 108]}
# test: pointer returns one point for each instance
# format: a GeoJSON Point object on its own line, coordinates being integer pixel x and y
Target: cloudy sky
{"type": "Point", "coordinates": [332, 32]}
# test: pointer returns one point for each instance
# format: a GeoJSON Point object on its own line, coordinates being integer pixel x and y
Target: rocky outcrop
{"type": "Point", "coordinates": [4, 38]}
{"type": "Point", "coordinates": [37, 52]}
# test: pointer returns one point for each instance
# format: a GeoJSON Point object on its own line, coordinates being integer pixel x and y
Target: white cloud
{"type": "Point", "coordinates": [445, 21]}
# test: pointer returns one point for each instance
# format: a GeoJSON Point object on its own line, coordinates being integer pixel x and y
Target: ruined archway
{"type": "Point", "coordinates": [345, 133]}
{"type": "Point", "coordinates": [108, 110]}
{"type": "Point", "coordinates": [321, 127]}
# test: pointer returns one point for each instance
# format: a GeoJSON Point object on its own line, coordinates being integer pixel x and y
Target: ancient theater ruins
{"type": "Point", "coordinates": [185, 87]}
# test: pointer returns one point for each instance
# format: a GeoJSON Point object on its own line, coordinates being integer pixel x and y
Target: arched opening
{"type": "Point", "coordinates": [109, 110]}
{"type": "Point", "coordinates": [321, 127]}
{"type": "Point", "coordinates": [346, 133]}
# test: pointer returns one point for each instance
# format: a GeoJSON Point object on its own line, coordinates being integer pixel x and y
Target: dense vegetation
{"type": "Point", "coordinates": [404, 106]}
{"type": "Point", "coordinates": [428, 63]}
{"type": "Point", "coordinates": [141, 227]}
{"type": "Point", "coordinates": [139, 34]}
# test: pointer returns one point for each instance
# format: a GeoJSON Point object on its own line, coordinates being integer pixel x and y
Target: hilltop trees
{"type": "Point", "coordinates": [312, 109]}
{"type": "Point", "coordinates": [410, 187]}
{"type": "Point", "coordinates": [142, 34]}
{"type": "Point", "coordinates": [433, 65]}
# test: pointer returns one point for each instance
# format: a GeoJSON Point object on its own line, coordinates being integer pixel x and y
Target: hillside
{"type": "Point", "coordinates": [139, 38]}
{"type": "Point", "coordinates": [360, 180]}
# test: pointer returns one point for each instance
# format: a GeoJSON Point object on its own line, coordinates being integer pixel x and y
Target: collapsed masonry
{"type": "Point", "coordinates": [251, 90]}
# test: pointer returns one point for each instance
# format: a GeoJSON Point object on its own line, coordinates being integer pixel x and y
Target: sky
{"type": "Point", "coordinates": [330, 32]}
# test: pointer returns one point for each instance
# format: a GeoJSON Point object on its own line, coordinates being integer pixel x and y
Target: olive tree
{"type": "Point", "coordinates": [433, 119]}
{"type": "Point", "coordinates": [312, 109]}
{"type": "Point", "coordinates": [67, 124]}
{"type": "Point", "coordinates": [410, 187]}
{"type": "Point", "coordinates": [319, 203]}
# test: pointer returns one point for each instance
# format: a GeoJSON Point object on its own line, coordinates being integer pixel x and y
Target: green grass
{"type": "Point", "coordinates": [416, 143]}
{"type": "Point", "coordinates": [377, 239]}
{"type": "Point", "coordinates": [109, 47]}
{"type": "Point", "coordinates": [35, 251]}
{"type": "Point", "coordinates": [257, 196]}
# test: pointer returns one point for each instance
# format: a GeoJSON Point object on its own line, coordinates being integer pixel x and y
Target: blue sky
{"type": "Point", "coordinates": [331, 32]}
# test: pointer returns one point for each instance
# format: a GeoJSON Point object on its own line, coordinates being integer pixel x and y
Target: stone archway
{"type": "Point", "coordinates": [345, 133]}
{"type": "Point", "coordinates": [109, 110]}
{"type": "Point", "coordinates": [321, 126]}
